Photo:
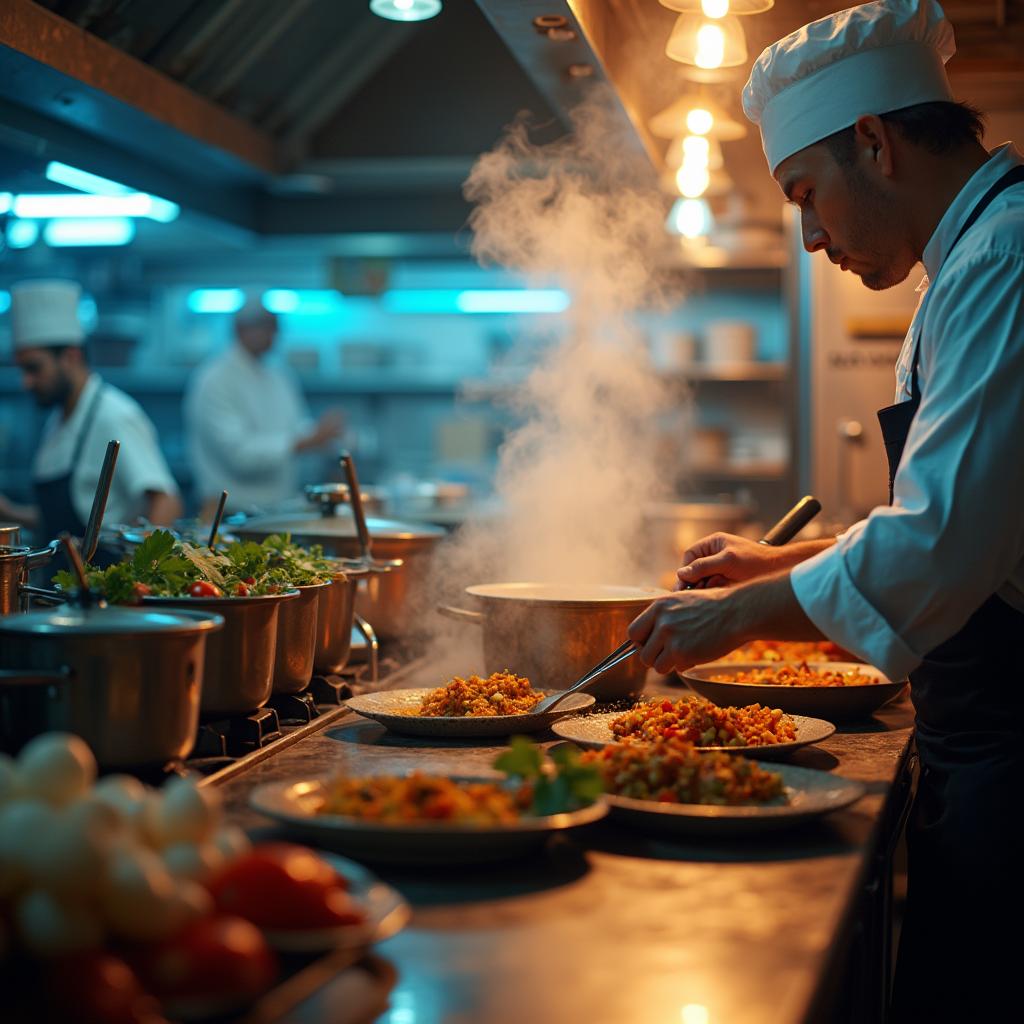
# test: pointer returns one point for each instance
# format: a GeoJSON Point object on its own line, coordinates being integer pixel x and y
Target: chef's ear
{"type": "Point", "coordinates": [874, 142]}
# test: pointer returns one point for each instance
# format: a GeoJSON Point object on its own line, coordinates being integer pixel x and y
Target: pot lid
{"type": "Point", "coordinates": [115, 620]}
{"type": "Point", "coordinates": [338, 526]}
{"type": "Point", "coordinates": [567, 593]}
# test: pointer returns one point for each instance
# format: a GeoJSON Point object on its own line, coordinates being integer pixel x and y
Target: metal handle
{"type": "Point", "coordinates": [372, 645]}
{"type": "Point", "coordinates": [218, 516]}
{"type": "Point", "coordinates": [349, 466]}
{"type": "Point", "coordinates": [34, 559]}
{"type": "Point", "coordinates": [460, 614]}
{"type": "Point", "coordinates": [792, 522]}
{"type": "Point", "coordinates": [48, 597]}
{"type": "Point", "coordinates": [34, 677]}
{"type": "Point", "coordinates": [99, 501]}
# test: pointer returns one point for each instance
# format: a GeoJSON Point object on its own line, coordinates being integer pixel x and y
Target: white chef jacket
{"type": "Point", "coordinates": [141, 466]}
{"type": "Point", "coordinates": [908, 577]}
{"type": "Point", "coordinates": [243, 417]}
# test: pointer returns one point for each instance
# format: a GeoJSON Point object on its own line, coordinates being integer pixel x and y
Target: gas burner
{"type": "Point", "coordinates": [294, 707]}
{"type": "Point", "coordinates": [330, 690]}
{"type": "Point", "coordinates": [232, 737]}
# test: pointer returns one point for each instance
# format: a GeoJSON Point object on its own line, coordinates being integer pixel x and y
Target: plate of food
{"type": "Point", "coordinates": [420, 818]}
{"type": "Point", "coordinates": [835, 690]}
{"type": "Point", "coordinates": [787, 650]}
{"type": "Point", "coordinates": [495, 705]}
{"type": "Point", "coordinates": [677, 788]}
{"type": "Point", "coordinates": [754, 730]}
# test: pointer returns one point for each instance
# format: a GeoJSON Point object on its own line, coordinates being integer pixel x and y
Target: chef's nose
{"type": "Point", "coordinates": [814, 235]}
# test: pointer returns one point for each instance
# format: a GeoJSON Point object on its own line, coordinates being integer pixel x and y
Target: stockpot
{"type": "Point", "coordinates": [127, 680]}
{"type": "Point", "coordinates": [296, 639]}
{"type": "Point", "coordinates": [335, 619]}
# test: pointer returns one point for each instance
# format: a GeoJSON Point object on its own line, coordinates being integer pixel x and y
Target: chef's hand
{"type": "Point", "coordinates": [722, 559]}
{"type": "Point", "coordinates": [328, 427]}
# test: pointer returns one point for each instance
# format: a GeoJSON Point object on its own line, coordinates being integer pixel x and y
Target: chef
{"type": "Point", "coordinates": [87, 412]}
{"type": "Point", "coordinates": [862, 133]}
{"type": "Point", "coordinates": [247, 419]}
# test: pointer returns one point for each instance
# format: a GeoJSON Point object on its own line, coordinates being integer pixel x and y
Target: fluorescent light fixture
{"type": "Point", "coordinates": [65, 174]}
{"type": "Point", "coordinates": [482, 300]}
{"type": "Point", "coordinates": [5, 301]}
{"type": "Point", "coordinates": [690, 218]}
{"type": "Point", "coordinates": [304, 302]}
{"type": "Point", "coordinates": [22, 234]}
{"type": "Point", "coordinates": [406, 10]}
{"type": "Point", "coordinates": [80, 204]}
{"type": "Point", "coordinates": [215, 300]}
{"type": "Point", "coordinates": [82, 231]}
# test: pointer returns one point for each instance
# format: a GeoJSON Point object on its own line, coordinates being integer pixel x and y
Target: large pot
{"type": "Point", "coordinates": [390, 601]}
{"type": "Point", "coordinates": [239, 666]}
{"type": "Point", "coordinates": [296, 639]}
{"type": "Point", "coordinates": [336, 616]}
{"type": "Point", "coordinates": [554, 633]}
{"type": "Point", "coordinates": [127, 680]}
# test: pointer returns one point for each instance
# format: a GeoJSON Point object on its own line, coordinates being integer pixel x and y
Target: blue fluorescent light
{"type": "Point", "coordinates": [65, 174]}
{"type": "Point", "coordinates": [5, 301]}
{"type": "Point", "coordinates": [491, 300]}
{"type": "Point", "coordinates": [405, 10]}
{"type": "Point", "coordinates": [82, 231]}
{"type": "Point", "coordinates": [216, 300]}
{"type": "Point", "coordinates": [81, 204]}
{"type": "Point", "coordinates": [513, 300]}
{"type": "Point", "coordinates": [22, 234]}
{"type": "Point", "coordinates": [304, 302]}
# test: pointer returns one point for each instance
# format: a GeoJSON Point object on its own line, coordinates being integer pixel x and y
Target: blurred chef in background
{"type": "Point", "coordinates": [247, 420]}
{"type": "Point", "coordinates": [86, 413]}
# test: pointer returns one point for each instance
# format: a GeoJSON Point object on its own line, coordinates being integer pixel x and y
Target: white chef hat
{"type": "Point", "coordinates": [871, 59]}
{"type": "Point", "coordinates": [44, 313]}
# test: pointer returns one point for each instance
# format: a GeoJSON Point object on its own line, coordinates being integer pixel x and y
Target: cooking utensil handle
{"type": "Point", "coordinates": [34, 559]}
{"type": "Point", "coordinates": [218, 516]}
{"type": "Point", "coordinates": [460, 614]}
{"type": "Point", "coordinates": [349, 466]}
{"type": "Point", "coordinates": [99, 501]}
{"type": "Point", "coordinates": [792, 522]}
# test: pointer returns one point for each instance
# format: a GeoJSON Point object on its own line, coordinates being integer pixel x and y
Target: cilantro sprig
{"type": "Point", "coordinates": [564, 785]}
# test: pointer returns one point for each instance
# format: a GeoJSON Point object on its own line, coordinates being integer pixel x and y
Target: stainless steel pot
{"type": "Point", "coordinates": [127, 680]}
{"type": "Point", "coordinates": [391, 601]}
{"type": "Point", "coordinates": [553, 633]}
{"type": "Point", "coordinates": [335, 619]}
{"type": "Point", "coordinates": [296, 639]}
{"type": "Point", "coordinates": [239, 666]}
{"type": "Point", "coordinates": [15, 564]}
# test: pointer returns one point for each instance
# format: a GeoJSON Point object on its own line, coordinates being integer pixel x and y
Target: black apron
{"type": "Point", "coordinates": [53, 497]}
{"type": "Point", "coordinates": [960, 946]}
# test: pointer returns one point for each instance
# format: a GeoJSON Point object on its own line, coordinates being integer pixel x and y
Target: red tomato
{"type": "Point", "coordinates": [241, 590]}
{"type": "Point", "coordinates": [250, 580]}
{"type": "Point", "coordinates": [279, 886]}
{"type": "Point", "coordinates": [203, 589]}
{"type": "Point", "coordinates": [222, 960]}
{"type": "Point", "coordinates": [98, 988]}
{"type": "Point", "coordinates": [141, 590]}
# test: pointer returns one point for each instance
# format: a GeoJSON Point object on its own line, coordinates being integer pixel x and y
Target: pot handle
{"type": "Point", "coordinates": [34, 559]}
{"type": "Point", "coordinates": [460, 614]}
{"type": "Point", "coordinates": [48, 597]}
{"type": "Point", "coordinates": [372, 645]}
{"type": "Point", "coordinates": [33, 677]}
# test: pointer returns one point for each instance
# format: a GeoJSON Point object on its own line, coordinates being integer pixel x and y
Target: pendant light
{"type": "Point", "coordinates": [405, 10]}
{"type": "Point", "coordinates": [696, 115]}
{"type": "Point", "coordinates": [718, 8]}
{"type": "Point", "coordinates": [696, 149]}
{"type": "Point", "coordinates": [707, 43]}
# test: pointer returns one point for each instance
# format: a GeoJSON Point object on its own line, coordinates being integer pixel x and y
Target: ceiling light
{"type": "Point", "coordinates": [692, 180]}
{"type": "Point", "coordinates": [708, 44]}
{"type": "Point", "coordinates": [78, 204]}
{"type": "Point", "coordinates": [303, 302]}
{"type": "Point", "coordinates": [22, 234]}
{"type": "Point", "coordinates": [695, 149]}
{"type": "Point", "coordinates": [215, 300]}
{"type": "Point", "coordinates": [65, 174]}
{"type": "Point", "coordinates": [690, 218]}
{"type": "Point", "coordinates": [675, 120]}
{"type": "Point", "coordinates": [83, 231]}
{"type": "Point", "coordinates": [718, 182]}
{"type": "Point", "coordinates": [5, 301]}
{"type": "Point", "coordinates": [706, 7]}
{"type": "Point", "coordinates": [406, 10]}
{"type": "Point", "coordinates": [479, 300]}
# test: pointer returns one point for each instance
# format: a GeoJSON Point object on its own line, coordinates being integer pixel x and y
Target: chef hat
{"type": "Point", "coordinates": [44, 313]}
{"type": "Point", "coordinates": [870, 59]}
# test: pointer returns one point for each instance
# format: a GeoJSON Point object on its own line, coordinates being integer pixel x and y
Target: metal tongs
{"type": "Point", "coordinates": [781, 533]}
{"type": "Point", "coordinates": [365, 559]}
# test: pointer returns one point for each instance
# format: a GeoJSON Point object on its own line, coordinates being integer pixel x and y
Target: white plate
{"type": "Point", "coordinates": [833, 703]}
{"type": "Point", "coordinates": [295, 804]}
{"type": "Point", "coordinates": [810, 794]}
{"type": "Point", "coordinates": [387, 914]}
{"type": "Point", "coordinates": [595, 732]}
{"type": "Point", "coordinates": [396, 711]}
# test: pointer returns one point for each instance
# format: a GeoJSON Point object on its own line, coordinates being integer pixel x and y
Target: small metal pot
{"type": "Point", "coordinates": [239, 666]}
{"type": "Point", "coordinates": [10, 535]}
{"type": "Point", "coordinates": [296, 639]}
{"type": "Point", "coordinates": [127, 680]}
{"type": "Point", "coordinates": [335, 619]}
{"type": "Point", "coordinates": [553, 633]}
{"type": "Point", "coordinates": [15, 564]}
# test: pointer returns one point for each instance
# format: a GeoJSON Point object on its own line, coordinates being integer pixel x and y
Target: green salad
{"type": "Point", "coordinates": [163, 566]}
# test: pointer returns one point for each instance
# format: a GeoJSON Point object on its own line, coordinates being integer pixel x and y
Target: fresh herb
{"type": "Point", "coordinates": [564, 785]}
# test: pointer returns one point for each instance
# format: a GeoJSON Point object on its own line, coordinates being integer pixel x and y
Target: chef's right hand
{"type": "Point", "coordinates": [328, 427]}
{"type": "Point", "coordinates": [721, 559]}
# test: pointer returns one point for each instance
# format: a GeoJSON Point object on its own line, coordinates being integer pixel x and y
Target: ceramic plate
{"type": "Point", "coordinates": [396, 710]}
{"type": "Point", "coordinates": [386, 915]}
{"type": "Point", "coordinates": [833, 703]}
{"type": "Point", "coordinates": [295, 804]}
{"type": "Point", "coordinates": [595, 731]}
{"type": "Point", "coordinates": [809, 793]}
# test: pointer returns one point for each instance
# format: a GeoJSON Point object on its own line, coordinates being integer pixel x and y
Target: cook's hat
{"type": "Point", "coordinates": [44, 313]}
{"type": "Point", "coordinates": [871, 59]}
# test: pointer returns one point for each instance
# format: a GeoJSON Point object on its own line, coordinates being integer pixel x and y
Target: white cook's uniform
{"type": "Point", "coordinates": [104, 413]}
{"type": "Point", "coordinates": [243, 417]}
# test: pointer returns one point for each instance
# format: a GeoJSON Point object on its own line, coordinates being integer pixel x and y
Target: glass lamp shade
{"type": "Point", "coordinates": [707, 43]}
{"type": "Point", "coordinates": [406, 10]}
{"type": "Point", "coordinates": [689, 114]}
{"type": "Point", "coordinates": [681, 150]}
{"type": "Point", "coordinates": [716, 183]}
{"type": "Point", "coordinates": [711, 7]}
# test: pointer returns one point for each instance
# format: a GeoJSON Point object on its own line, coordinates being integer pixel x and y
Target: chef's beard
{"type": "Point", "coordinates": [872, 232]}
{"type": "Point", "coordinates": [57, 394]}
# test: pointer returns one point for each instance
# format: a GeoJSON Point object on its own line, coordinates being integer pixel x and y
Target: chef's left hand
{"type": "Point", "coordinates": [687, 628]}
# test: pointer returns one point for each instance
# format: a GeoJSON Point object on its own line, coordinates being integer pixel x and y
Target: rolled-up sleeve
{"type": "Point", "coordinates": [909, 576]}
